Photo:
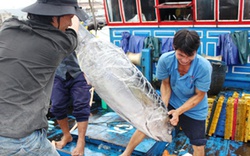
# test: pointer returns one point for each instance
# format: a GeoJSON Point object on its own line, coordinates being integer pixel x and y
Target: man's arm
{"type": "Point", "coordinates": [165, 91]}
{"type": "Point", "coordinates": [190, 103]}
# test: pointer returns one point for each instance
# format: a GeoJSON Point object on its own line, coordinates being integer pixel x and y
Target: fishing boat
{"type": "Point", "coordinates": [129, 23]}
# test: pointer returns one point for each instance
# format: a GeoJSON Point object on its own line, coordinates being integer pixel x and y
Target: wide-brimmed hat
{"type": "Point", "coordinates": [56, 8]}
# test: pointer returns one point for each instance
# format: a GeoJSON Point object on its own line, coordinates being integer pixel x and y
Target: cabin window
{"type": "Point", "coordinates": [148, 10]}
{"type": "Point", "coordinates": [175, 10]}
{"type": "Point", "coordinates": [246, 13]}
{"type": "Point", "coordinates": [113, 11]}
{"type": "Point", "coordinates": [228, 9]}
{"type": "Point", "coordinates": [205, 9]}
{"type": "Point", "coordinates": [130, 11]}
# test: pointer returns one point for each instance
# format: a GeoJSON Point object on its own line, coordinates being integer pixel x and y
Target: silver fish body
{"type": "Point", "coordinates": [122, 86]}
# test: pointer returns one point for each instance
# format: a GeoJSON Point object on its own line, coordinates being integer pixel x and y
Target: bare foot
{"type": "Point", "coordinates": [64, 141]}
{"type": "Point", "coordinates": [79, 150]}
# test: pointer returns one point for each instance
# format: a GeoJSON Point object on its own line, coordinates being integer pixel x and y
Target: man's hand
{"type": "Point", "coordinates": [174, 117]}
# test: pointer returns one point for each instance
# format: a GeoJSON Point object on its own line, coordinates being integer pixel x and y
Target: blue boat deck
{"type": "Point", "coordinates": [108, 135]}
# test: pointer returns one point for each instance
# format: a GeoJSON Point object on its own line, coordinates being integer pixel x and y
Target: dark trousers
{"type": "Point", "coordinates": [72, 90]}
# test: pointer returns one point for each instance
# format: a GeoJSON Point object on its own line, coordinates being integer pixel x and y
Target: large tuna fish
{"type": "Point", "coordinates": [122, 86]}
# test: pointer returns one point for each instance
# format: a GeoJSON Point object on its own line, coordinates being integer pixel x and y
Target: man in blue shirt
{"type": "Point", "coordinates": [71, 86]}
{"type": "Point", "coordinates": [186, 78]}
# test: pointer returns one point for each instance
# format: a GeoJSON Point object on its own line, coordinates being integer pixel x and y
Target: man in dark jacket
{"type": "Point", "coordinates": [30, 52]}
